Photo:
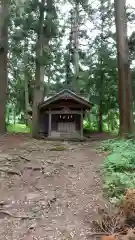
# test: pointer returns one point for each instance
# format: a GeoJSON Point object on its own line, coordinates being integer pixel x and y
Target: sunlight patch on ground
{"type": "Point", "coordinates": [18, 128]}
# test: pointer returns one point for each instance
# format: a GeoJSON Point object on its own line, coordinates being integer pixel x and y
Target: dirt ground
{"type": "Point", "coordinates": [48, 194]}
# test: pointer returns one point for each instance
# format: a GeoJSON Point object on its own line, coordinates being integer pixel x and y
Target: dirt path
{"type": "Point", "coordinates": [48, 194]}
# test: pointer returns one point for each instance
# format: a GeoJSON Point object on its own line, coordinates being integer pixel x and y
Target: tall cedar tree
{"type": "Point", "coordinates": [45, 34]}
{"type": "Point", "coordinates": [76, 46]}
{"type": "Point", "coordinates": [100, 113]}
{"type": "Point", "coordinates": [39, 75]}
{"type": "Point", "coordinates": [3, 62]}
{"type": "Point", "coordinates": [124, 72]}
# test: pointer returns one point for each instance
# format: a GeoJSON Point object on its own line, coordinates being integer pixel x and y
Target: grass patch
{"type": "Point", "coordinates": [18, 128]}
{"type": "Point", "coordinates": [118, 167]}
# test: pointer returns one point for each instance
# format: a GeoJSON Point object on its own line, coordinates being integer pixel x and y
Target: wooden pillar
{"type": "Point", "coordinates": [50, 122]}
{"type": "Point", "coordinates": [81, 131]}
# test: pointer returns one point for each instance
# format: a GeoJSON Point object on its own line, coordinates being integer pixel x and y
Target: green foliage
{"type": "Point", "coordinates": [118, 167]}
{"type": "Point", "coordinates": [87, 125]}
{"type": "Point", "coordinates": [117, 145]}
{"type": "Point", "coordinates": [97, 55]}
{"type": "Point", "coordinates": [18, 128]}
{"type": "Point", "coordinates": [116, 184]}
{"type": "Point", "coordinates": [120, 161]}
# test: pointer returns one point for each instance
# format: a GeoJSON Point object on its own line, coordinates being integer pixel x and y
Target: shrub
{"type": "Point", "coordinates": [114, 145]}
{"type": "Point", "coordinates": [118, 167]}
{"type": "Point", "coordinates": [120, 161]}
{"type": "Point", "coordinates": [117, 183]}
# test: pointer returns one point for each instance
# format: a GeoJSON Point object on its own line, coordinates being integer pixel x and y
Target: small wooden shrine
{"type": "Point", "coordinates": [61, 116]}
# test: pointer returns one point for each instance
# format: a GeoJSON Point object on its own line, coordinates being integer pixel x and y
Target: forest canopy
{"type": "Point", "coordinates": [85, 46]}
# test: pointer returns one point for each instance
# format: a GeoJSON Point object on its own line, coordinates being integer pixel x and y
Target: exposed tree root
{"type": "Point", "coordinates": [6, 213]}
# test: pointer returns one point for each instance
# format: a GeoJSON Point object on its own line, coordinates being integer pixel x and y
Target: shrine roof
{"type": "Point", "coordinates": [65, 94]}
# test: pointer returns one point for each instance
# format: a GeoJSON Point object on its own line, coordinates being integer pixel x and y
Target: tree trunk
{"type": "Point", "coordinates": [14, 115]}
{"type": "Point", "coordinates": [112, 120]}
{"type": "Point", "coordinates": [48, 85]}
{"type": "Point", "coordinates": [26, 99]}
{"type": "Point", "coordinates": [8, 116]}
{"type": "Point", "coordinates": [100, 118]}
{"type": "Point", "coordinates": [38, 89]}
{"type": "Point", "coordinates": [3, 62]}
{"type": "Point", "coordinates": [38, 97]}
{"type": "Point", "coordinates": [41, 48]}
{"type": "Point", "coordinates": [124, 74]}
{"type": "Point", "coordinates": [101, 95]}
{"type": "Point", "coordinates": [26, 81]}
{"type": "Point", "coordinates": [76, 47]}
{"type": "Point", "coordinates": [101, 90]}
{"type": "Point", "coordinates": [69, 55]}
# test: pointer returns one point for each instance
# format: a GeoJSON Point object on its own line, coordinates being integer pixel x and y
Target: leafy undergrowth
{"type": "Point", "coordinates": [18, 128]}
{"type": "Point", "coordinates": [118, 168]}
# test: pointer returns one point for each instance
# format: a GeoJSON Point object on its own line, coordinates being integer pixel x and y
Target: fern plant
{"type": "Point", "coordinates": [118, 167]}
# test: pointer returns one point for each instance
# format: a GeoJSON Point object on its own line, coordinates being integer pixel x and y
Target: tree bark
{"type": "Point", "coordinates": [124, 73]}
{"type": "Point", "coordinates": [101, 94]}
{"type": "Point", "coordinates": [38, 88]}
{"type": "Point", "coordinates": [76, 47]}
{"type": "Point", "coordinates": [44, 36]}
{"type": "Point", "coordinates": [14, 115]}
{"type": "Point", "coordinates": [101, 90]}
{"type": "Point", "coordinates": [3, 62]}
{"type": "Point", "coordinates": [26, 98]}
{"type": "Point", "coordinates": [100, 118]}
{"type": "Point", "coordinates": [8, 116]}
{"type": "Point", "coordinates": [69, 55]}
{"type": "Point", "coordinates": [26, 81]}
